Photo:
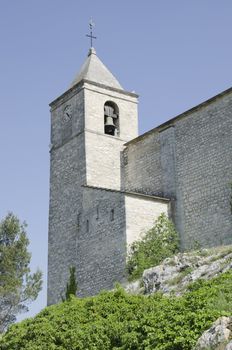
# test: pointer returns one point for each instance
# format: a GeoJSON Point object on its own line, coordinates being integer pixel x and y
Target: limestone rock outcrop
{"type": "Point", "coordinates": [218, 337]}
{"type": "Point", "coordinates": [176, 273]}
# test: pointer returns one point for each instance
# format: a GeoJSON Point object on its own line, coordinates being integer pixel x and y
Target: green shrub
{"type": "Point", "coordinates": [117, 320]}
{"type": "Point", "coordinates": [160, 242]}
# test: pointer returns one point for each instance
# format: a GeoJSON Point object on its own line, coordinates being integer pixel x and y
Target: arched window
{"type": "Point", "coordinates": [111, 118]}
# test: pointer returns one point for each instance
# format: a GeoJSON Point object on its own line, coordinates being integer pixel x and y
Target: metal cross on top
{"type": "Point", "coordinates": [91, 25]}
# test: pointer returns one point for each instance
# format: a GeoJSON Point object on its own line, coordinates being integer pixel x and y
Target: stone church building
{"type": "Point", "coordinates": [108, 185]}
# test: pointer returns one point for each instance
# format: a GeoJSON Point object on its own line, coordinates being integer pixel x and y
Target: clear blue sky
{"type": "Point", "coordinates": [173, 53]}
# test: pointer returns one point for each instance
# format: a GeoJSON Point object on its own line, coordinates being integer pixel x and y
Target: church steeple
{"type": "Point", "coordinates": [90, 124]}
{"type": "Point", "coordinates": [95, 71]}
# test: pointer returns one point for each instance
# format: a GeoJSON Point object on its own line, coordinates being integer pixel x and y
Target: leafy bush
{"type": "Point", "coordinates": [160, 242]}
{"type": "Point", "coordinates": [117, 320]}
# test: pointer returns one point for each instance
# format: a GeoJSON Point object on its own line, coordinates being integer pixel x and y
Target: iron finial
{"type": "Point", "coordinates": [91, 26]}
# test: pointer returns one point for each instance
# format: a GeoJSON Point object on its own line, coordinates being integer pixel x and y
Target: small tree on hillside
{"type": "Point", "coordinates": [160, 242]}
{"type": "Point", "coordinates": [71, 286]}
{"type": "Point", "coordinates": [17, 285]}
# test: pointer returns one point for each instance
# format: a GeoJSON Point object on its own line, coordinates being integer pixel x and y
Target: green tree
{"type": "Point", "coordinates": [160, 242]}
{"type": "Point", "coordinates": [71, 287]}
{"type": "Point", "coordinates": [17, 285]}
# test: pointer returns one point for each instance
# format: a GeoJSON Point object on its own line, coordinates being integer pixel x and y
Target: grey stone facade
{"type": "Point", "coordinates": [189, 160]}
{"type": "Point", "coordinates": [105, 190]}
{"type": "Point", "coordinates": [87, 216]}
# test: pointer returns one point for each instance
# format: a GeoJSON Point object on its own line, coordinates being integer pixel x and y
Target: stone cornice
{"type": "Point", "coordinates": [79, 86]}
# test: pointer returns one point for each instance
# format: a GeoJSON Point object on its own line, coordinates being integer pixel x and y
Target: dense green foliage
{"type": "Point", "coordinates": [160, 242]}
{"type": "Point", "coordinates": [71, 287]}
{"type": "Point", "coordinates": [17, 285]}
{"type": "Point", "coordinates": [117, 320]}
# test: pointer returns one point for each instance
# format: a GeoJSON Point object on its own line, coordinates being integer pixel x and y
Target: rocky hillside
{"type": "Point", "coordinates": [172, 319]}
{"type": "Point", "coordinates": [175, 274]}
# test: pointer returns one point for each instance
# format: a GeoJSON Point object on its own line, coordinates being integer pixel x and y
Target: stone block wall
{"type": "Point", "coordinates": [141, 213]}
{"type": "Point", "coordinates": [95, 98]}
{"type": "Point", "coordinates": [204, 172]}
{"type": "Point", "coordinates": [67, 176]}
{"type": "Point", "coordinates": [60, 127]}
{"type": "Point", "coordinates": [87, 225]}
{"type": "Point", "coordinates": [103, 162]}
{"type": "Point", "coordinates": [103, 152]}
{"type": "Point", "coordinates": [101, 242]}
{"type": "Point", "coordinates": [141, 166]}
{"type": "Point", "coordinates": [189, 160]}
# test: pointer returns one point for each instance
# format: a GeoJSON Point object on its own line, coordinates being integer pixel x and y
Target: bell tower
{"type": "Point", "coordinates": [90, 123]}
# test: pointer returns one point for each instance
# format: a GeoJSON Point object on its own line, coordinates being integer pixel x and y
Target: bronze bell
{"type": "Point", "coordinates": [109, 126]}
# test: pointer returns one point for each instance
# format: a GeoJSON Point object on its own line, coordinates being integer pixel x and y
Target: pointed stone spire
{"type": "Point", "coordinates": [94, 70]}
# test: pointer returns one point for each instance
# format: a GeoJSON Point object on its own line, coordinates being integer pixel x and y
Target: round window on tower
{"type": "Point", "coordinates": [111, 119]}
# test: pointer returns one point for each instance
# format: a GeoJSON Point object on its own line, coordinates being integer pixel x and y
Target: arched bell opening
{"type": "Point", "coordinates": [111, 119]}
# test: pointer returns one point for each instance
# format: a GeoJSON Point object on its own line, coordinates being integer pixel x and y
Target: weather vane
{"type": "Point", "coordinates": [91, 26]}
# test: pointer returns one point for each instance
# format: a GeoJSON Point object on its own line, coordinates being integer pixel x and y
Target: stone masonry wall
{"type": "Point", "coordinates": [103, 152]}
{"type": "Point", "coordinates": [141, 213]}
{"type": "Point", "coordinates": [59, 125]}
{"type": "Point", "coordinates": [204, 172]}
{"type": "Point", "coordinates": [141, 166]}
{"type": "Point", "coordinates": [67, 174]}
{"type": "Point", "coordinates": [67, 166]}
{"type": "Point", "coordinates": [96, 97]}
{"type": "Point", "coordinates": [103, 160]}
{"type": "Point", "coordinates": [87, 225]}
{"type": "Point", "coordinates": [199, 152]}
{"type": "Point", "coordinates": [101, 243]}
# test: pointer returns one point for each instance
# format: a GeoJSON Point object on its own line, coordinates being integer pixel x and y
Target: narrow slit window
{"type": "Point", "coordinates": [78, 219]}
{"type": "Point", "coordinates": [97, 215]}
{"type": "Point", "coordinates": [112, 215]}
{"type": "Point", "coordinates": [87, 226]}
